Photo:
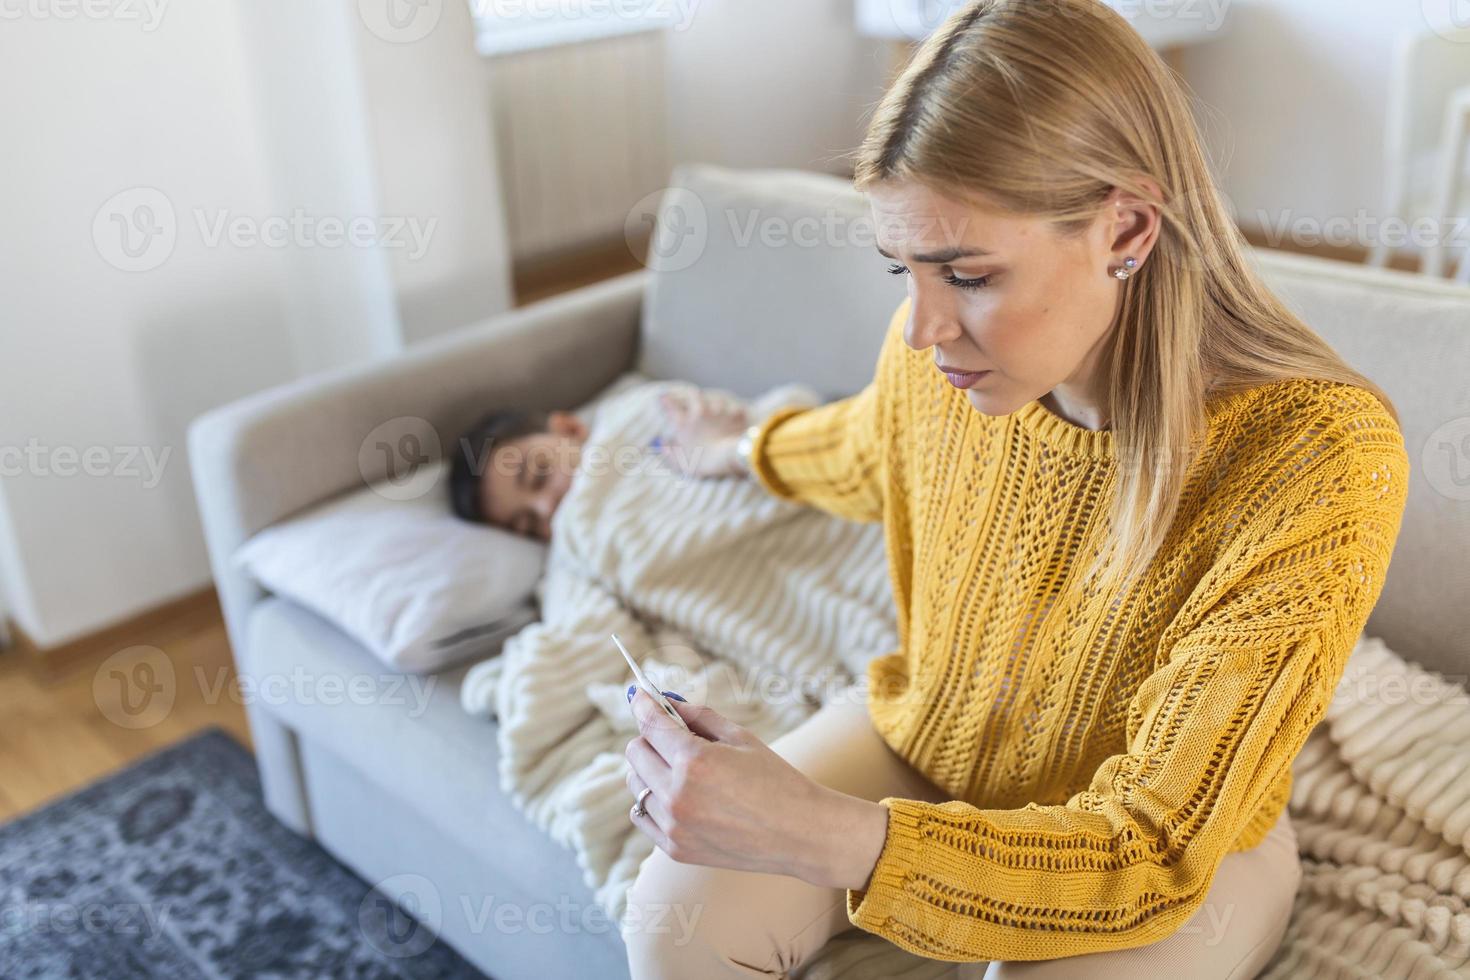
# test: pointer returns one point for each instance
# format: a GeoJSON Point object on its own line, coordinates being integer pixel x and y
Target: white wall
{"type": "Point", "coordinates": [94, 359]}
{"type": "Point", "coordinates": [772, 83]}
{"type": "Point", "coordinates": [205, 113]}
{"type": "Point", "coordinates": [434, 152]}
{"type": "Point", "coordinates": [311, 110]}
{"type": "Point", "coordinates": [13, 595]}
{"type": "Point", "coordinates": [1299, 97]}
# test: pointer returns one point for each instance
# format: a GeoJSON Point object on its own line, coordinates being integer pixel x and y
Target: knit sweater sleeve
{"type": "Point", "coordinates": [832, 456]}
{"type": "Point", "coordinates": [1240, 678]}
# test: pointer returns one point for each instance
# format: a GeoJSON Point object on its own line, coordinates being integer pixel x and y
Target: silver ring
{"type": "Point", "coordinates": [638, 809]}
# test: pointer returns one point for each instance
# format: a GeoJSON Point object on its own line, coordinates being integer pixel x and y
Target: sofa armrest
{"type": "Point", "coordinates": [265, 457]}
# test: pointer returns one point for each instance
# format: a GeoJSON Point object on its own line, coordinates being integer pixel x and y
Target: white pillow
{"type": "Point", "coordinates": [418, 587]}
{"type": "Point", "coordinates": [407, 579]}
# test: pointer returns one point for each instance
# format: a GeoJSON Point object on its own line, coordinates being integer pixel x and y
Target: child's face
{"type": "Point", "coordinates": [528, 477]}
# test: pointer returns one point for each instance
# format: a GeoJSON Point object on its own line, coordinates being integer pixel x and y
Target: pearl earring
{"type": "Point", "coordinates": [1130, 263]}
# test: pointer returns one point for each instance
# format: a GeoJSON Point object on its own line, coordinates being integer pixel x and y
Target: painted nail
{"type": "Point", "coordinates": [632, 689]}
{"type": "Point", "coordinates": [671, 694]}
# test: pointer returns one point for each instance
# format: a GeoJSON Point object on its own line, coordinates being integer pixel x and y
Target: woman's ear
{"type": "Point", "coordinates": [1136, 221]}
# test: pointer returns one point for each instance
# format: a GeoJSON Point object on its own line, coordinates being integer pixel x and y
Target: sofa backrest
{"type": "Point", "coordinates": [768, 277]}
{"type": "Point", "coordinates": [765, 277]}
{"type": "Point", "coordinates": [1411, 335]}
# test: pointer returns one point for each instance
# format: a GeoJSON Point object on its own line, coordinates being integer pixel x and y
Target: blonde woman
{"type": "Point", "coordinates": [1137, 515]}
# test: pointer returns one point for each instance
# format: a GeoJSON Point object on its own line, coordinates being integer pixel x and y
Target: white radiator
{"type": "Point", "coordinates": [582, 138]}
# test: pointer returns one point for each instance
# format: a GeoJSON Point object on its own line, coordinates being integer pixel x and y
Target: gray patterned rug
{"type": "Point", "coordinates": [173, 867]}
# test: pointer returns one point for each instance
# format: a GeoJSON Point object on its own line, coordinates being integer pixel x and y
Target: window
{"type": "Point", "coordinates": [506, 26]}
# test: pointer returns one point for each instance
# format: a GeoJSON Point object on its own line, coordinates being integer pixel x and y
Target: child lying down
{"type": "Point", "coordinates": [762, 608]}
{"type": "Point", "coordinates": [514, 466]}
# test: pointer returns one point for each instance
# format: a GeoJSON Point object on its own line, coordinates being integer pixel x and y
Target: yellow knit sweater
{"type": "Point", "coordinates": [1103, 750]}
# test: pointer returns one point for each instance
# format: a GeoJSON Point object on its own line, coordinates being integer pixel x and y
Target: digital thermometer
{"type": "Point", "coordinates": [649, 689]}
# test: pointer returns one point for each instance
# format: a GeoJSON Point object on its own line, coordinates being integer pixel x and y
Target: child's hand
{"type": "Point", "coordinates": [703, 428]}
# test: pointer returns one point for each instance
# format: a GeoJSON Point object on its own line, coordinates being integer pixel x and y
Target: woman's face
{"type": "Point", "coordinates": [1007, 295]}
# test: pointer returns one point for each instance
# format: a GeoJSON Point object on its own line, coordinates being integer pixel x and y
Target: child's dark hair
{"type": "Point", "coordinates": [471, 454]}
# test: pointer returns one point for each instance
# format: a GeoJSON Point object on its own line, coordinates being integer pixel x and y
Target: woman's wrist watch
{"type": "Point", "coordinates": [743, 447]}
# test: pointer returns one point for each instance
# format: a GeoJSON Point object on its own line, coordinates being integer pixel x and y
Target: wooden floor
{"type": "Point", "coordinates": [68, 717]}
{"type": "Point", "coordinates": [71, 716]}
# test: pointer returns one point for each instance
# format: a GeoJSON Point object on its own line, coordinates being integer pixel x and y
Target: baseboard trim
{"type": "Point", "coordinates": [539, 277]}
{"type": "Point", "coordinates": [178, 616]}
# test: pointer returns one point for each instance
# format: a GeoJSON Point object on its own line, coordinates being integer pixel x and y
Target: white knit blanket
{"type": "Point", "coordinates": [1381, 805]}
{"type": "Point", "coordinates": [733, 598]}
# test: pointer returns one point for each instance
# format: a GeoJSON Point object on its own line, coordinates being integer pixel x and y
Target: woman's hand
{"type": "Point", "coordinates": [703, 428]}
{"type": "Point", "coordinates": [721, 797]}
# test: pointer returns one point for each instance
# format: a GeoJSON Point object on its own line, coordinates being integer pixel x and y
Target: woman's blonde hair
{"type": "Point", "coordinates": [1042, 107]}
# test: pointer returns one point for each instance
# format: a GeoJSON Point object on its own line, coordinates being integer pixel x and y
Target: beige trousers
{"type": "Point", "coordinates": [699, 923]}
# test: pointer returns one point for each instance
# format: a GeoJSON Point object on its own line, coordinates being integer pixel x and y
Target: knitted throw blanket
{"type": "Point", "coordinates": [733, 598]}
{"type": "Point", "coordinates": [1381, 804]}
